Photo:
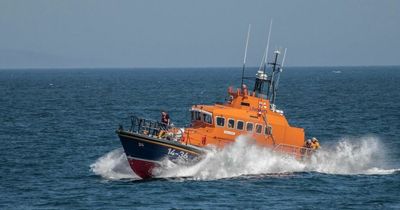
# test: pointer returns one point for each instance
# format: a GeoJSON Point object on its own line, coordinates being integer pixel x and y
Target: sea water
{"type": "Point", "coordinates": [59, 148]}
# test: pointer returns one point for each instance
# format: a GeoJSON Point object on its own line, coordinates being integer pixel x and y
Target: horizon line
{"type": "Point", "coordinates": [188, 67]}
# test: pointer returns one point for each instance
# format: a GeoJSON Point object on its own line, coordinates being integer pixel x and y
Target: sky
{"type": "Point", "coordinates": [207, 33]}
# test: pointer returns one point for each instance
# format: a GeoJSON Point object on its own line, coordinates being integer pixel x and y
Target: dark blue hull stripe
{"type": "Point", "coordinates": [154, 150]}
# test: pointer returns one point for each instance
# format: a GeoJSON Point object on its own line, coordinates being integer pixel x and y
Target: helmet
{"type": "Point", "coordinates": [314, 139]}
{"type": "Point", "coordinates": [308, 140]}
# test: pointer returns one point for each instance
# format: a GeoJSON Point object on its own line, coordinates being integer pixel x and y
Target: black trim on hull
{"type": "Point", "coordinates": [169, 143]}
{"type": "Point", "coordinates": [145, 153]}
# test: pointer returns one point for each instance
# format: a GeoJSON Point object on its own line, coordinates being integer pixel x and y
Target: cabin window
{"type": "Point", "coordinates": [268, 130]}
{"type": "Point", "coordinates": [240, 125]}
{"type": "Point", "coordinates": [198, 116]}
{"type": "Point", "coordinates": [258, 128]}
{"type": "Point", "coordinates": [231, 123]}
{"type": "Point", "coordinates": [249, 127]}
{"type": "Point", "coordinates": [207, 118]}
{"type": "Point", "coordinates": [220, 121]}
{"type": "Point", "coordinates": [192, 115]}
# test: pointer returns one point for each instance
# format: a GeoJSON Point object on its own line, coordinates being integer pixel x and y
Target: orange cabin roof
{"type": "Point", "coordinates": [244, 107]}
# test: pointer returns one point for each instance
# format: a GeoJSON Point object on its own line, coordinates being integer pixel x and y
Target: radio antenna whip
{"type": "Point", "coordinates": [279, 75]}
{"type": "Point", "coordinates": [245, 53]}
{"type": "Point", "coordinates": [262, 62]}
{"type": "Point", "coordinates": [283, 59]}
{"type": "Point", "coordinates": [267, 47]}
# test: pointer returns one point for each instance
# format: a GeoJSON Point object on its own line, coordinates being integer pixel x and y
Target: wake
{"type": "Point", "coordinates": [242, 158]}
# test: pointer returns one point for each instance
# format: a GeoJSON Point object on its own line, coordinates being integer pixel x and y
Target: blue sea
{"type": "Point", "coordinates": [59, 149]}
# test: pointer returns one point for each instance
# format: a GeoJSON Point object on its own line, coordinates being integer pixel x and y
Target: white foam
{"type": "Point", "coordinates": [350, 156]}
{"type": "Point", "coordinates": [365, 155]}
{"type": "Point", "coordinates": [113, 166]}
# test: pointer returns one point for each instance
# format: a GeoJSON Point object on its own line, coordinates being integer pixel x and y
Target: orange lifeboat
{"type": "Point", "coordinates": [251, 113]}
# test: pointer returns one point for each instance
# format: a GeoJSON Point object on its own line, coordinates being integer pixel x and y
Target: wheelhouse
{"type": "Point", "coordinates": [201, 116]}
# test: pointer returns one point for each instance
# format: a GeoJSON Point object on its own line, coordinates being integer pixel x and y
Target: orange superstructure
{"type": "Point", "coordinates": [245, 113]}
{"type": "Point", "coordinates": [251, 113]}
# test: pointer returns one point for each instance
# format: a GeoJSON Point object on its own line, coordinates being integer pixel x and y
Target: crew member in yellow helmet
{"type": "Point", "coordinates": [315, 144]}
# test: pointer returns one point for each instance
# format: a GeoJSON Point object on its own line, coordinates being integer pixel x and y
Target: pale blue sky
{"type": "Point", "coordinates": [95, 33]}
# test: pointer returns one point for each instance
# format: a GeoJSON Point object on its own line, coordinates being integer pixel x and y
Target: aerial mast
{"type": "Point", "coordinates": [274, 69]}
{"type": "Point", "coordinates": [267, 47]}
{"type": "Point", "coordinates": [278, 77]}
{"type": "Point", "coordinates": [245, 53]}
{"type": "Point", "coordinates": [261, 76]}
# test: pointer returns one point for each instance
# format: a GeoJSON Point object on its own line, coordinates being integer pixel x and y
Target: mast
{"type": "Point", "coordinates": [278, 77]}
{"type": "Point", "coordinates": [261, 76]}
{"type": "Point", "coordinates": [270, 92]}
{"type": "Point", "coordinates": [245, 53]}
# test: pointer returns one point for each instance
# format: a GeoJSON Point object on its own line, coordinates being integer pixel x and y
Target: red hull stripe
{"type": "Point", "coordinates": [135, 158]}
{"type": "Point", "coordinates": [142, 168]}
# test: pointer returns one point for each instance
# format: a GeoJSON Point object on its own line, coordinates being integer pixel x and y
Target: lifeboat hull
{"type": "Point", "coordinates": [145, 153]}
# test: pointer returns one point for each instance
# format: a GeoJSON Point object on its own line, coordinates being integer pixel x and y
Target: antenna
{"type": "Point", "coordinates": [281, 68]}
{"type": "Point", "coordinates": [274, 69]}
{"type": "Point", "coordinates": [279, 75]}
{"type": "Point", "coordinates": [267, 47]}
{"type": "Point", "coordinates": [283, 59]}
{"type": "Point", "coordinates": [262, 62]}
{"type": "Point", "coordinates": [245, 52]}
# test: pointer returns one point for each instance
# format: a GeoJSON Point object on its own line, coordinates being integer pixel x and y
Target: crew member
{"type": "Point", "coordinates": [308, 143]}
{"type": "Point", "coordinates": [165, 118]}
{"type": "Point", "coordinates": [315, 144]}
{"type": "Point", "coordinates": [244, 89]}
{"type": "Point", "coordinates": [308, 146]}
{"type": "Point", "coordinates": [305, 150]}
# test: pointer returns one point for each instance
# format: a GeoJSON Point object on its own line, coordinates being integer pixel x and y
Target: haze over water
{"type": "Point", "coordinates": [59, 148]}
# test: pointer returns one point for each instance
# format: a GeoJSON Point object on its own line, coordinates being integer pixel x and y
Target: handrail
{"type": "Point", "coordinates": [294, 150]}
{"type": "Point", "coordinates": [152, 127]}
